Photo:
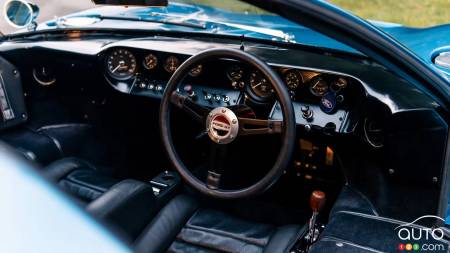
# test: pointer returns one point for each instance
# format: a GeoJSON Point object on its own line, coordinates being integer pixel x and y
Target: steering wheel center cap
{"type": "Point", "coordinates": [222, 125]}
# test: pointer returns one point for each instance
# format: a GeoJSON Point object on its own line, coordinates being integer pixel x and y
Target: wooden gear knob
{"type": "Point", "coordinates": [317, 200]}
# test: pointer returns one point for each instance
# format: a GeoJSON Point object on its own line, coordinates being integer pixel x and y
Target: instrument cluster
{"type": "Point", "coordinates": [327, 89]}
{"type": "Point", "coordinates": [152, 70]}
{"type": "Point", "coordinates": [122, 64]}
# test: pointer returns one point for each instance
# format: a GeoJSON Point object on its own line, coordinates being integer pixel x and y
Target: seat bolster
{"type": "Point", "coordinates": [61, 168]}
{"type": "Point", "coordinates": [161, 232]}
{"type": "Point", "coordinates": [284, 238]}
{"type": "Point", "coordinates": [128, 205]}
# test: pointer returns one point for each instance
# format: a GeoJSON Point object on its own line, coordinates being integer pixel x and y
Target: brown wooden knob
{"type": "Point", "coordinates": [317, 200]}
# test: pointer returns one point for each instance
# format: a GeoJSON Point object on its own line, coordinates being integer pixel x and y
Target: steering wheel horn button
{"type": "Point", "coordinates": [222, 125]}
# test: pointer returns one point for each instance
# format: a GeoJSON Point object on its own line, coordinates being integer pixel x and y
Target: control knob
{"type": "Point", "coordinates": [307, 113]}
{"type": "Point", "coordinates": [189, 91]}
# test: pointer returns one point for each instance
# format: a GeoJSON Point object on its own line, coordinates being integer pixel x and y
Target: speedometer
{"type": "Point", "coordinates": [121, 64]}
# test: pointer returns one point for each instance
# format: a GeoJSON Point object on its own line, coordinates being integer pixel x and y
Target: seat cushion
{"type": "Point", "coordinates": [183, 227]}
{"type": "Point", "coordinates": [79, 178]}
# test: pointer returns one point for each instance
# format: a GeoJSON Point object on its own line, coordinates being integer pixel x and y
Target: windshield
{"type": "Point", "coordinates": [418, 13]}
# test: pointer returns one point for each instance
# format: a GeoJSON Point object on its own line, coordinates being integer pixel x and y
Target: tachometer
{"type": "Point", "coordinates": [293, 79]}
{"type": "Point", "coordinates": [259, 85]}
{"type": "Point", "coordinates": [121, 64]}
{"type": "Point", "coordinates": [171, 64]}
{"type": "Point", "coordinates": [150, 61]}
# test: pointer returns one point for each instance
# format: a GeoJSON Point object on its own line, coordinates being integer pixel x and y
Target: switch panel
{"type": "Point", "coordinates": [12, 102]}
{"type": "Point", "coordinates": [5, 107]}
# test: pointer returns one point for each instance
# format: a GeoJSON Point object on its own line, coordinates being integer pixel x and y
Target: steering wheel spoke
{"type": "Point", "coordinates": [249, 126]}
{"type": "Point", "coordinates": [196, 111]}
{"type": "Point", "coordinates": [218, 158]}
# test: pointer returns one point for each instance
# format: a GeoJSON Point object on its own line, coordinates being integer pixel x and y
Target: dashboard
{"type": "Point", "coordinates": [321, 99]}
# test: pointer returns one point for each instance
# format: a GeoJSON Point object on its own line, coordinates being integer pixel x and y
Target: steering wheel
{"type": "Point", "coordinates": [224, 126]}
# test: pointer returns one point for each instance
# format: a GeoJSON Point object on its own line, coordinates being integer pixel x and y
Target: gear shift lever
{"type": "Point", "coordinates": [317, 201]}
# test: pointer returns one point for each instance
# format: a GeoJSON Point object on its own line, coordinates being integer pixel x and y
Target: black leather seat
{"type": "Point", "coordinates": [79, 178]}
{"type": "Point", "coordinates": [183, 226]}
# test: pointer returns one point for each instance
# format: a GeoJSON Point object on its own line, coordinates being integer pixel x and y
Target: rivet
{"type": "Point", "coordinates": [307, 128]}
{"type": "Point", "coordinates": [339, 244]}
{"type": "Point", "coordinates": [435, 179]}
{"type": "Point", "coordinates": [391, 171]}
{"type": "Point", "coordinates": [224, 111]}
{"type": "Point", "coordinates": [234, 121]}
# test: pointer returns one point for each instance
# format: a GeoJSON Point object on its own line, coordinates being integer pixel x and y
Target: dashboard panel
{"type": "Point", "coordinates": [321, 99]}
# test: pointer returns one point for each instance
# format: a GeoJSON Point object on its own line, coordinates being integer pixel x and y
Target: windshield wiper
{"type": "Point", "coordinates": [261, 30]}
{"type": "Point", "coordinates": [159, 21]}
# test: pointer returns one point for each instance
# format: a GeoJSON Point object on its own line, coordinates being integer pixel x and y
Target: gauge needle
{"type": "Point", "coordinates": [121, 64]}
{"type": "Point", "coordinates": [256, 85]}
{"type": "Point", "coordinates": [114, 70]}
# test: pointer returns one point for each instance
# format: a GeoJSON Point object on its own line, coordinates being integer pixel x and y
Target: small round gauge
{"type": "Point", "coordinates": [293, 79]}
{"type": "Point", "coordinates": [150, 61]}
{"type": "Point", "coordinates": [171, 64]}
{"type": "Point", "coordinates": [121, 64]}
{"type": "Point", "coordinates": [44, 75]}
{"type": "Point", "coordinates": [196, 71]}
{"type": "Point", "coordinates": [235, 73]}
{"type": "Point", "coordinates": [339, 84]}
{"type": "Point", "coordinates": [318, 86]}
{"type": "Point", "coordinates": [259, 85]}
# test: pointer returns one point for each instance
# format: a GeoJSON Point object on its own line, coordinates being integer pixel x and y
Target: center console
{"type": "Point", "coordinates": [164, 185]}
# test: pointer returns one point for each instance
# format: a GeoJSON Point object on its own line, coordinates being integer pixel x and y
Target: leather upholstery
{"type": "Point", "coordinates": [79, 178]}
{"type": "Point", "coordinates": [184, 226]}
{"type": "Point", "coordinates": [129, 205]}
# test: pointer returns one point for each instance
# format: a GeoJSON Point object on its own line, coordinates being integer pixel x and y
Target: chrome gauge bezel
{"type": "Point", "coordinates": [298, 74]}
{"type": "Point", "coordinates": [256, 92]}
{"type": "Point", "coordinates": [312, 84]}
{"type": "Point", "coordinates": [40, 81]}
{"type": "Point", "coordinates": [171, 62]}
{"type": "Point", "coordinates": [146, 65]}
{"type": "Point", "coordinates": [132, 69]}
